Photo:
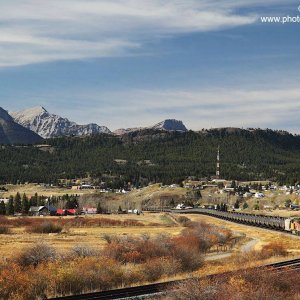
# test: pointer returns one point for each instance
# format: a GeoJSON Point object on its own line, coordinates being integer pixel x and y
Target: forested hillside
{"type": "Point", "coordinates": [157, 157]}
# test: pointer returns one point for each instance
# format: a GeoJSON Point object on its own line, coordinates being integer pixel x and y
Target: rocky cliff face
{"type": "Point", "coordinates": [166, 125]}
{"type": "Point", "coordinates": [13, 133]}
{"type": "Point", "coordinates": [48, 125]}
{"type": "Point", "coordinates": [170, 125]}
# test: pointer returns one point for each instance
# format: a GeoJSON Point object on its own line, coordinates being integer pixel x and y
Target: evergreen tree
{"type": "Point", "coordinates": [33, 200]}
{"type": "Point", "coordinates": [233, 184]}
{"type": "Point", "coordinates": [99, 208]}
{"type": "Point", "coordinates": [71, 202]}
{"type": "Point", "coordinates": [10, 206]}
{"type": "Point", "coordinates": [40, 201]}
{"type": "Point", "coordinates": [237, 204]}
{"type": "Point", "coordinates": [25, 204]}
{"type": "Point", "coordinates": [2, 208]}
{"type": "Point", "coordinates": [18, 203]}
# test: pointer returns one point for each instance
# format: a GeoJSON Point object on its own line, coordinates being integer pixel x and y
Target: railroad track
{"type": "Point", "coordinates": [284, 266]}
{"type": "Point", "coordinates": [143, 290]}
{"type": "Point", "coordinates": [158, 288]}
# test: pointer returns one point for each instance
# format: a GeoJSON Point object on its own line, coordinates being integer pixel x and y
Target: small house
{"type": "Point", "coordinates": [38, 211]}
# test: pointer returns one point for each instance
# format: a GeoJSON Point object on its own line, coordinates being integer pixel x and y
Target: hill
{"type": "Point", "coordinates": [158, 156]}
{"type": "Point", "coordinates": [13, 133]}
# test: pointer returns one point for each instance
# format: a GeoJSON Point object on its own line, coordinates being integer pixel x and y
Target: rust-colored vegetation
{"type": "Point", "coordinates": [31, 223]}
{"type": "Point", "coordinates": [243, 285]}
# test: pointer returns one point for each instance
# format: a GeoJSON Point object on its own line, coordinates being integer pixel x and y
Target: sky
{"type": "Point", "coordinates": [132, 63]}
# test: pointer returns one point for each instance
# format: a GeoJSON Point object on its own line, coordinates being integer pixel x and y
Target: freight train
{"type": "Point", "coordinates": [291, 225]}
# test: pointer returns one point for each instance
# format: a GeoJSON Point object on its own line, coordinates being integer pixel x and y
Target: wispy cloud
{"type": "Point", "coordinates": [272, 108]}
{"type": "Point", "coordinates": [35, 31]}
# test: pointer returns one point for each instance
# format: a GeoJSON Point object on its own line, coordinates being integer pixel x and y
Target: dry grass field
{"type": "Point", "coordinates": [18, 238]}
{"type": "Point", "coordinates": [132, 260]}
{"type": "Point", "coordinates": [153, 224]}
{"type": "Point", "coordinates": [32, 188]}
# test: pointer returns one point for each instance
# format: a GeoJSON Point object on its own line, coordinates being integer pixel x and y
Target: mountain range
{"type": "Point", "coordinates": [30, 125]}
{"type": "Point", "coordinates": [48, 125]}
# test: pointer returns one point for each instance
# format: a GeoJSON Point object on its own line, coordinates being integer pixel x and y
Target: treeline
{"type": "Point", "coordinates": [20, 204]}
{"type": "Point", "coordinates": [156, 157]}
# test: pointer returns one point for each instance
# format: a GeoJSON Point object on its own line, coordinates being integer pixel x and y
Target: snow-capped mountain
{"type": "Point", "coordinates": [13, 133]}
{"type": "Point", "coordinates": [166, 125]}
{"type": "Point", "coordinates": [170, 125]}
{"type": "Point", "coordinates": [48, 125]}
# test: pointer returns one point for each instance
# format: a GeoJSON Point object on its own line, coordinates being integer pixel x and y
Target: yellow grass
{"type": "Point", "coordinates": [32, 188]}
{"type": "Point", "coordinates": [91, 236]}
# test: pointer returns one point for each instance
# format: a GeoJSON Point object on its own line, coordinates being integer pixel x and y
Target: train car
{"type": "Point", "coordinates": [270, 222]}
{"type": "Point", "coordinates": [292, 225]}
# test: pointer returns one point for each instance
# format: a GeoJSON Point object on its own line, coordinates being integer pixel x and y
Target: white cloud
{"type": "Point", "coordinates": [36, 31]}
{"type": "Point", "coordinates": [273, 108]}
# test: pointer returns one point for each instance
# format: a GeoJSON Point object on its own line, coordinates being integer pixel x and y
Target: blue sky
{"type": "Point", "coordinates": [134, 63]}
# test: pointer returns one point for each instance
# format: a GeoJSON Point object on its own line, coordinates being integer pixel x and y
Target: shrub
{"type": "Point", "coordinates": [36, 254]}
{"type": "Point", "coordinates": [17, 284]}
{"type": "Point", "coordinates": [87, 274]}
{"type": "Point", "coordinates": [108, 238]}
{"type": "Point", "coordinates": [83, 251]}
{"type": "Point", "coordinates": [275, 249]}
{"type": "Point", "coordinates": [5, 230]}
{"type": "Point", "coordinates": [46, 227]}
{"type": "Point", "coordinates": [153, 269]}
{"type": "Point", "coordinates": [184, 221]}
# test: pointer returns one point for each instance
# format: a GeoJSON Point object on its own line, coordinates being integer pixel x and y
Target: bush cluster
{"type": "Point", "coordinates": [4, 229]}
{"type": "Point", "coordinates": [45, 227]}
{"type": "Point", "coordinates": [71, 222]}
{"type": "Point", "coordinates": [36, 255]}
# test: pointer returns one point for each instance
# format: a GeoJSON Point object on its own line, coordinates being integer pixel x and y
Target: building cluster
{"type": "Point", "coordinates": [50, 210]}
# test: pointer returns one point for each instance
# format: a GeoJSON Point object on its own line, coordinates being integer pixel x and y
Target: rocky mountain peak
{"type": "Point", "coordinates": [170, 125]}
{"type": "Point", "coordinates": [48, 125]}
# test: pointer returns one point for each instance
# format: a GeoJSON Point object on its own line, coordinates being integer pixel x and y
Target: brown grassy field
{"type": "Point", "coordinates": [32, 188]}
{"type": "Point", "coordinates": [134, 259]}
{"type": "Point", "coordinates": [19, 238]}
{"type": "Point", "coordinates": [152, 224]}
